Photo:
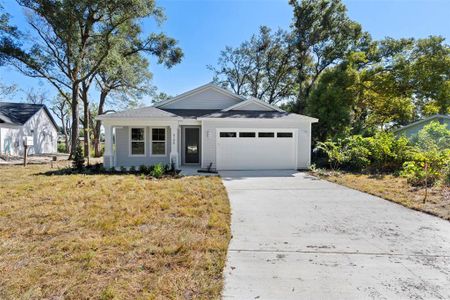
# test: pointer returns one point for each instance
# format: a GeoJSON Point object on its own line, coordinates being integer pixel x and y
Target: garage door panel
{"type": "Point", "coordinates": [263, 151]}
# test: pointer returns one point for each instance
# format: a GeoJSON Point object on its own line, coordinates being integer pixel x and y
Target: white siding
{"type": "Point", "coordinates": [209, 133]}
{"type": "Point", "coordinates": [206, 99]}
{"type": "Point", "coordinates": [39, 126]}
{"type": "Point", "coordinates": [122, 156]}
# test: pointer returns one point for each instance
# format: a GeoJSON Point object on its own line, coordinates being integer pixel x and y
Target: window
{"type": "Point", "coordinates": [266, 134]}
{"type": "Point", "coordinates": [137, 141]}
{"type": "Point", "coordinates": [228, 134]}
{"type": "Point", "coordinates": [284, 134]}
{"type": "Point", "coordinates": [247, 134]}
{"type": "Point", "coordinates": [158, 141]}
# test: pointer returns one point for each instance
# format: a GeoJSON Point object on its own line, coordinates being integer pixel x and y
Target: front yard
{"type": "Point", "coordinates": [395, 189]}
{"type": "Point", "coordinates": [110, 236]}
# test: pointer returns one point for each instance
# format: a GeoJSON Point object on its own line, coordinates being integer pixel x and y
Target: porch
{"type": "Point", "coordinates": [150, 143]}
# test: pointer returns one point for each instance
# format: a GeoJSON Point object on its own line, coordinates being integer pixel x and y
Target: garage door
{"type": "Point", "coordinates": [247, 149]}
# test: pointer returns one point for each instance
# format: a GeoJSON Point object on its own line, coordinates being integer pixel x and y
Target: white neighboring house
{"type": "Point", "coordinates": [208, 127]}
{"type": "Point", "coordinates": [18, 120]}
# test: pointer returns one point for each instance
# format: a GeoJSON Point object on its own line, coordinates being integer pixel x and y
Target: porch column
{"type": "Point", "coordinates": [174, 144]}
{"type": "Point", "coordinates": [108, 154]}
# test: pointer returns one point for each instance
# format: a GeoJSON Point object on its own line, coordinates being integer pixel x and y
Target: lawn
{"type": "Point", "coordinates": [396, 189]}
{"type": "Point", "coordinates": [111, 236]}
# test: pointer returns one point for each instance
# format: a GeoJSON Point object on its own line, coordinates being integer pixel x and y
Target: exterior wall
{"type": "Point", "coordinates": [209, 134]}
{"type": "Point", "coordinates": [208, 99]}
{"type": "Point", "coordinates": [122, 151]}
{"type": "Point", "coordinates": [45, 136]}
{"type": "Point", "coordinates": [414, 130]}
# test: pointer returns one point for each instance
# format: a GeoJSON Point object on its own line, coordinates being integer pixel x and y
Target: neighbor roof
{"type": "Point", "coordinates": [19, 113]}
{"type": "Point", "coordinates": [422, 121]}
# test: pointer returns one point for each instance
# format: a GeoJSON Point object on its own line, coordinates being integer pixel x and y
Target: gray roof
{"type": "Point", "coordinates": [191, 113]}
{"type": "Point", "coordinates": [252, 114]}
{"type": "Point", "coordinates": [153, 112]}
{"type": "Point", "coordinates": [19, 113]}
{"type": "Point", "coordinates": [142, 112]}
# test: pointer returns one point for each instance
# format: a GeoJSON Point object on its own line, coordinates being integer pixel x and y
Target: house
{"type": "Point", "coordinates": [209, 127]}
{"type": "Point", "coordinates": [412, 129]}
{"type": "Point", "coordinates": [20, 120]}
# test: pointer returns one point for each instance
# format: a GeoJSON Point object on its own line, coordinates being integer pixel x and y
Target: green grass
{"type": "Point", "coordinates": [111, 236]}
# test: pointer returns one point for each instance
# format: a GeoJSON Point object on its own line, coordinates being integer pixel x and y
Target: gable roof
{"type": "Point", "coordinates": [19, 113]}
{"type": "Point", "coordinates": [253, 100]}
{"type": "Point", "coordinates": [423, 121]}
{"type": "Point", "coordinates": [198, 90]}
{"type": "Point", "coordinates": [141, 112]}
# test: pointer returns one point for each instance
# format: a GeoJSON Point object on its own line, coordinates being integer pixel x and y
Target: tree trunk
{"type": "Point", "coordinates": [86, 129]}
{"type": "Point", "coordinates": [75, 119]}
{"type": "Point", "coordinates": [98, 124]}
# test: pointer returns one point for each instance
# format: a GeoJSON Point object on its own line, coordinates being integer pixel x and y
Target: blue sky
{"type": "Point", "coordinates": [204, 27]}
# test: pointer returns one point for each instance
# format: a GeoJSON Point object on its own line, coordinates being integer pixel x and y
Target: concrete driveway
{"type": "Point", "coordinates": [297, 237]}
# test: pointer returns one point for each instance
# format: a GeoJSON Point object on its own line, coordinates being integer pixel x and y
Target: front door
{"type": "Point", "coordinates": [191, 145]}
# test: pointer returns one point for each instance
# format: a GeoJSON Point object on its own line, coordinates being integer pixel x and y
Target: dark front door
{"type": "Point", "coordinates": [192, 145]}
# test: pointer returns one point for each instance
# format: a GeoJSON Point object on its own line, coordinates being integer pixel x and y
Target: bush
{"type": "Point", "coordinates": [62, 148]}
{"type": "Point", "coordinates": [123, 169]}
{"type": "Point", "coordinates": [132, 169]}
{"type": "Point", "coordinates": [356, 153]}
{"type": "Point", "coordinates": [158, 170]}
{"type": "Point", "coordinates": [143, 169]}
{"type": "Point", "coordinates": [78, 158]}
{"type": "Point", "coordinates": [436, 163]}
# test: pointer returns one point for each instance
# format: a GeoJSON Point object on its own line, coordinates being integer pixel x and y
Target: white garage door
{"type": "Point", "coordinates": [248, 149]}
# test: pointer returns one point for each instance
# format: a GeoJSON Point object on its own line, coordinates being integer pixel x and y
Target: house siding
{"type": "Point", "coordinates": [39, 126]}
{"type": "Point", "coordinates": [414, 130]}
{"type": "Point", "coordinates": [122, 152]}
{"type": "Point", "coordinates": [209, 134]}
{"type": "Point", "coordinates": [209, 99]}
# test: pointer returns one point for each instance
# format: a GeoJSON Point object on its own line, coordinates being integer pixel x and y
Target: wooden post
{"type": "Point", "coordinates": [426, 182]}
{"type": "Point", "coordinates": [25, 147]}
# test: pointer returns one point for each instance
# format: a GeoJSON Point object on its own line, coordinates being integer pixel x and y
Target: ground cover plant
{"type": "Point", "coordinates": [103, 236]}
{"type": "Point", "coordinates": [413, 172]}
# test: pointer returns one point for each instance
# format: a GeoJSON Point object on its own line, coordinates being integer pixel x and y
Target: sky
{"type": "Point", "coordinates": [204, 27]}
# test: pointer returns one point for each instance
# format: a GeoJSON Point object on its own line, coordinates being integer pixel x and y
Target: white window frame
{"type": "Point", "coordinates": [151, 142]}
{"type": "Point", "coordinates": [130, 140]}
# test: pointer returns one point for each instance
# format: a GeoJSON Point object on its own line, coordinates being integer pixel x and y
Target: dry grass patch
{"type": "Point", "coordinates": [111, 236]}
{"type": "Point", "coordinates": [396, 189]}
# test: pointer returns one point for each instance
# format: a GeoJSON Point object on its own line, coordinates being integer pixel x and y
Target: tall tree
{"type": "Point", "coordinates": [74, 39]}
{"type": "Point", "coordinates": [262, 67]}
{"type": "Point", "coordinates": [323, 35]}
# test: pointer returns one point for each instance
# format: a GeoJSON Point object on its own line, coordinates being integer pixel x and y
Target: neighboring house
{"type": "Point", "coordinates": [18, 120]}
{"type": "Point", "coordinates": [209, 127]}
{"type": "Point", "coordinates": [412, 129]}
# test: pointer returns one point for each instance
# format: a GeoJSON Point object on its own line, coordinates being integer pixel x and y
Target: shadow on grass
{"type": "Point", "coordinates": [98, 169]}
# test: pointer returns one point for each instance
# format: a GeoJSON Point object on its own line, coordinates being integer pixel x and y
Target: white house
{"type": "Point", "coordinates": [18, 120]}
{"type": "Point", "coordinates": [208, 127]}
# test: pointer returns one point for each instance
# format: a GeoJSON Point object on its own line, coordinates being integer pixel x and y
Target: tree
{"type": "Point", "coordinates": [262, 67]}
{"type": "Point", "coordinates": [36, 97]}
{"type": "Point", "coordinates": [76, 36]}
{"type": "Point", "coordinates": [430, 72]}
{"type": "Point", "coordinates": [61, 109]}
{"type": "Point", "coordinates": [323, 36]}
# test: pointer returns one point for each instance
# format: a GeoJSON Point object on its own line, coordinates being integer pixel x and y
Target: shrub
{"type": "Point", "coordinates": [132, 169]}
{"type": "Point", "coordinates": [78, 158]}
{"type": "Point", "coordinates": [426, 168]}
{"type": "Point", "coordinates": [333, 152]}
{"type": "Point", "coordinates": [123, 169]}
{"type": "Point", "coordinates": [388, 153]}
{"type": "Point", "coordinates": [356, 153]}
{"type": "Point", "coordinates": [158, 170]}
{"type": "Point", "coordinates": [433, 136]}
{"type": "Point", "coordinates": [143, 169]}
